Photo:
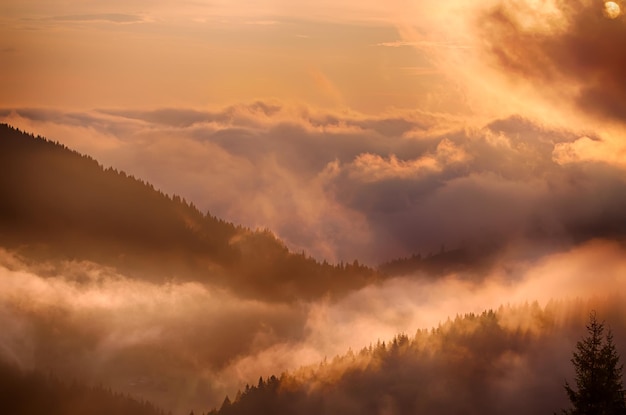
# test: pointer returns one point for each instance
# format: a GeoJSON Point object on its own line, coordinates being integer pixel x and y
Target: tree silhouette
{"type": "Point", "coordinates": [599, 389]}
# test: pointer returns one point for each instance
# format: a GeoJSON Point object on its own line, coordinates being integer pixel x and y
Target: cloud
{"type": "Point", "coordinates": [119, 18]}
{"type": "Point", "coordinates": [571, 48]}
{"type": "Point", "coordinates": [396, 44]}
{"type": "Point", "coordinates": [80, 320]}
{"type": "Point", "coordinates": [346, 185]}
{"type": "Point", "coordinates": [405, 304]}
{"type": "Point", "coordinates": [494, 186]}
{"type": "Point", "coordinates": [424, 44]}
{"type": "Point", "coordinates": [373, 168]}
{"type": "Point", "coordinates": [261, 22]}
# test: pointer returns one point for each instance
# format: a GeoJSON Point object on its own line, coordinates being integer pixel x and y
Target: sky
{"type": "Point", "coordinates": [354, 129]}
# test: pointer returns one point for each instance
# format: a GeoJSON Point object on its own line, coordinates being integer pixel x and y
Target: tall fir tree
{"type": "Point", "coordinates": [599, 389]}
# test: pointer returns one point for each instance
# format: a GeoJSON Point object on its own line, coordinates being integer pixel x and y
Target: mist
{"type": "Point", "coordinates": [187, 345]}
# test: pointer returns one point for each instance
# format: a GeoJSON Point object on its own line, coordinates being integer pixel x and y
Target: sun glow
{"type": "Point", "coordinates": [612, 9]}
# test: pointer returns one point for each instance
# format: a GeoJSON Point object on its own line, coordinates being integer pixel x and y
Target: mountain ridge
{"type": "Point", "coordinates": [59, 201]}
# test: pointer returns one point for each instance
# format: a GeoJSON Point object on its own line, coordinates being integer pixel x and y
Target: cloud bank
{"type": "Point", "coordinates": [575, 49]}
{"type": "Point", "coordinates": [343, 186]}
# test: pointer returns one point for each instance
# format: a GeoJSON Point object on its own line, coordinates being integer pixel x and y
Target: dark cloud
{"type": "Point", "coordinates": [84, 120]}
{"type": "Point", "coordinates": [387, 127]}
{"type": "Point", "coordinates": [580, 47]}
{"type": "Point", "coordinates": [166, 116]}
{"type": "Point", "coordinates": [506, 187]}
{"type": "Point", "coordinates": [176, 117]}
{"type": "Point", "coordinates": [309, 133]}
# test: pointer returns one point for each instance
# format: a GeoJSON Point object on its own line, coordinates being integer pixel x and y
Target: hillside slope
{"type": "Point", "coordinates": [30, 393]}
{"type": "Point", "coordinates": [58, 204]}
{"type": "Point", "coordinates": [513, 360]}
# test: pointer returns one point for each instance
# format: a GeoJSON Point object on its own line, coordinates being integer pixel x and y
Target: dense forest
{"type": "Point", "coordinates": [433, 265]}
{"type": "Point", "coordinates": [59, 204]}
{"type": "Point", "coordinates": [512, 360]}
{"type": "Point", "coordinates": [31, 392]}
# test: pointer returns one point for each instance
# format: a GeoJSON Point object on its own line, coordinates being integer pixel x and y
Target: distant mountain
{"type": "Point", "coordinates": [59, 204]}
{"type": "Point", "coordinates": [472, 264]}
{"type": "Point", "coordinates": [33, 393]}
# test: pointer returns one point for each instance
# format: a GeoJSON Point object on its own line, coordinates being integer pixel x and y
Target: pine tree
{"type": "Point", "coordinates": [614, 389]}
{"type": "Point", "coordinates": [599, 389]}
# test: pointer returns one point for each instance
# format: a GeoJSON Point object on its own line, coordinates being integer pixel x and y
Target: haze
{"type": "Point", "coordinates": [351, 130]}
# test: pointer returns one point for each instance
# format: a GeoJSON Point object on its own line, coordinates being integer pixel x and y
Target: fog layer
{"type": "Point", "coordinates": [184, 345]}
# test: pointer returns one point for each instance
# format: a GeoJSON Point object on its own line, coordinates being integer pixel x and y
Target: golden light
{"type": "Point", "coordinates": [612, 9]}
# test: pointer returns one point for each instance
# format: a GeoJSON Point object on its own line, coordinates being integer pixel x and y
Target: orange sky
{"type": "Point", "coordinates": [80, 54]}
{"type": "Point", "coordinates": [349, 55]}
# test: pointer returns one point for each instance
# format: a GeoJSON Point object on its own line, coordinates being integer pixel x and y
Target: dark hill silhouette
{"type": "Point", "coordinates": [33, 393]}
{"type": "Point", "coordinates": [470, 264]}
{"type": "Point", "coordinates": [59, 204]}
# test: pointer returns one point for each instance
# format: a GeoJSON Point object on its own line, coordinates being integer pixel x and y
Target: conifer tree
{"type": "Point", "coordinates": [599, 389]}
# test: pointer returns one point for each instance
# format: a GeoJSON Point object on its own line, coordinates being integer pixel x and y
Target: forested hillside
{"type": "Point", "coordinates": [512, 360]}
{"type": "Point", "coordinates": [31, 393]}
{"type": "Point", "coordinates": [474, 265]}
{"type": "Point", "coordinates": [58, 204]}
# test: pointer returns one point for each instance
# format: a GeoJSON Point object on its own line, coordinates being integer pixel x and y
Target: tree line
{"type": "Point", "coordinates": [34, 393]}
{"type": "Point", "coordinates": [59, 204]}
{"type": "Point", "coordinates": [471, 364]}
